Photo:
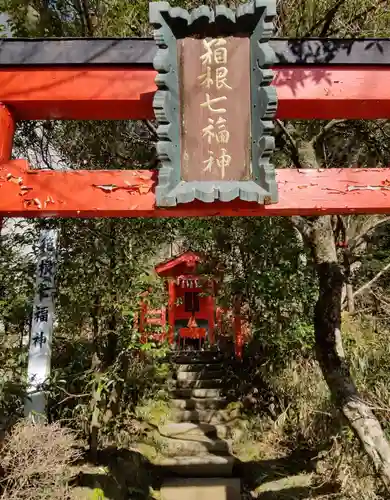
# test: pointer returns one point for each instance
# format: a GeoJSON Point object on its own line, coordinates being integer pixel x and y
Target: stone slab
{"type": "Point", "coordinates": [205, 416]}
{"type": "Point", "coordinates": [198, 384]}
{"type": "Point", "coordinates": [197, 445]}
{"type": "Point", "coordinates": [195, 393]}
{"type": "Point", "coordinates": [189, 430]}
{"type": "Point", "coordinates": [185, 430]}
{"type": "Point", "coordinates": [199, 367]}
{"type": "Point", "coordinates": [199, 466]}
{"type": "Point", "coordinates": [201, 489]}
{"type": "Point", "coordinates": [200, 375]}
{"type": "Point", "coordinates": [199, 403]}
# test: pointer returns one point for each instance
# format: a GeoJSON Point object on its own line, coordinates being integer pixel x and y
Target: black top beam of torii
{"type": "Point", "coordinates": [141, 51]}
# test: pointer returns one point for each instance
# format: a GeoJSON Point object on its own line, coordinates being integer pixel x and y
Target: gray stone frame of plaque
{"type": "Point", "coordinates": [254, 19]}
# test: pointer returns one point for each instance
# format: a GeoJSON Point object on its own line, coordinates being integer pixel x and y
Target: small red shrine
{"type": "Point", "coordinates": [192, 317]}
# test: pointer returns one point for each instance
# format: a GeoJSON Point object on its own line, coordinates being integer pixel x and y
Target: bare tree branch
{"type": "Point", "coordinates": [380, 127]}
{"type": "Point", "coordinates": [326, 20]}
{"type": "Point", "coordinates": [302, 225]}
{"type": "Point", "coordinates": [88, 20]}
{"type": "Point", "coordinates": [329, 18]}
{"type": "Point", "coordinates": [79, 9]}
{"type": "Point", "coordinates": [288, 135]}
{"type": "Point", "coordinates": [152, 129]}
{"type": "Point", "coordinates": [354, 242]}
{"type": "Point", "coordinates": [325, 129]}
{"type": "Point", "coordinates": [292, 142]}
{"type": "Point", "coordinates": [359, 16]}
{"type": "Point", "coordinates": [371, 282]}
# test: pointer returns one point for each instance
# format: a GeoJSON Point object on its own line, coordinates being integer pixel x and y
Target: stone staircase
{"type": "Point", "coordinates": [194, 443]}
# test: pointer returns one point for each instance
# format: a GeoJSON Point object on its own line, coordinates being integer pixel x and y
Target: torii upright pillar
{"type": "Point", "coordinates": [7, 131]}
{"type": "Point", "coordinates": [171, 309]}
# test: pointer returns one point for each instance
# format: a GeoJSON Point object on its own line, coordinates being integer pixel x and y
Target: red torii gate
{"type": "Point", "coordinates": [114, 79]}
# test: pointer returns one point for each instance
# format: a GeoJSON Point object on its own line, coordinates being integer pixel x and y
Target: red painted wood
{"type": "Point", "coordinates": [211, 320]}
{"type": "Point", "coordinates": [322, 92]}
{"type": "Point", "coordinates": [7, 127]}
{"type": "Point", "coordinates": [142, 321]}
{"type": "Point", "coordinates": [333, 92]}
{"type": "Point", "coordinates": [26, 193]}
{"type": "Point", "coordinates": [183, 264]}
{"type": "Point", "coordinates": [157, 337]}
{"type": "Point", "coordinates": [239, 341]}
{"type": "Point", "coordinates": [154, 321]}
{"type": "Point", "coordinates": [171, 310]}
{"type": "Point", "coordinates": [164, 319]}
{"type": "Point", "coordinates": [82, 93]}
{"type": "Point", "coordinates": [155, 312]}
{"type": "Point", "coordinates": [156, 317]}
{"type": "Point", "coordinates": [192, 333]}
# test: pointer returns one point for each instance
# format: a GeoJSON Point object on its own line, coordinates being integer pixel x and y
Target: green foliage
{"type": "Point", "coordinates": [260, 259]}
{"type": "Point", "coordinates": [16, 289]}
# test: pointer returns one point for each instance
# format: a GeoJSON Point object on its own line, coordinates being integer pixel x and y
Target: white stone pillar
{"type": "Point", "coordinates": [39, 356]}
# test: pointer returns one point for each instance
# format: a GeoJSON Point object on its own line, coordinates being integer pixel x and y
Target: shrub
{"type": "Point", "coordinates": [35, 460]}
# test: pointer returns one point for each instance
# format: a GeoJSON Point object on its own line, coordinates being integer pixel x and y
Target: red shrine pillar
{"type": "Point", "coordinates": [142, 321]}
{"type": "Point", "coordinates": [211, 320]}
{"type": "Point", "coordinates": [239, 341]}
{"type": "Point", "coordinates": [171, 310]}
{"type": "Point", "coordinates": [7, 130]}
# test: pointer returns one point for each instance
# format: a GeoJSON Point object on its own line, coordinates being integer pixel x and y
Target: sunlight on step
{"type": "Point", "coordinates": [201, 489]}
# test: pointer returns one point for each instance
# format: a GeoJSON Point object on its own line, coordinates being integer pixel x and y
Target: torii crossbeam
{"type": "Point", "coordinates": [114, 79]}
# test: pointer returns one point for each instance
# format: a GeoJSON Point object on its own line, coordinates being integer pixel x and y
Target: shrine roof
{"type": "Point", "coordinates": [185, 263]}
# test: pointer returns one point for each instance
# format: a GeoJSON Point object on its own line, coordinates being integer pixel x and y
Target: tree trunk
{"type": "Point", "coordinates": [94, 423]}
{"type": "Point", "coordinates": [111, 352]}
{"type": "Point", "coordinates": [95, 408]}
{"type": "Point", "coordinates": [330, 354]}
{"type": "Point", "coordinates": [112, 323]}
{"type": "Point", "coordinates": [103, 406]}
{"type": "Point", "coordinates": [350, 298]}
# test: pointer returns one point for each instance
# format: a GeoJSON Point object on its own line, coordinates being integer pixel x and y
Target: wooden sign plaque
{"type": "Point", "coordinates": [214, 104]}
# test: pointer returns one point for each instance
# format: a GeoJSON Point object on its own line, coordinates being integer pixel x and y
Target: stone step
{"type": "Point", "coordinates": [195, 432]}
{"type": "Point", "coordinates": [200, 375]}
{"type": "Point", "coordinates": [199, 367]}
{"type": "Point", "coordinates": [204, 416]}
{"type": "Point", "coordinates": [195, 393]}
{"type": "Point", "coordinates": [172, 447]}
{"type": "Point", "coordinates": [199, 404]}
{"type": "Point", "coordinates": [191, 357]}
{"type": "Point", "coordinates": [200, 466]}
{"type": "Point", "coordinates": [201, 489]}
{"type": "Point", "coordinates": [198, 384]}
{"type": "Point", "coordinates": [188, 430]}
